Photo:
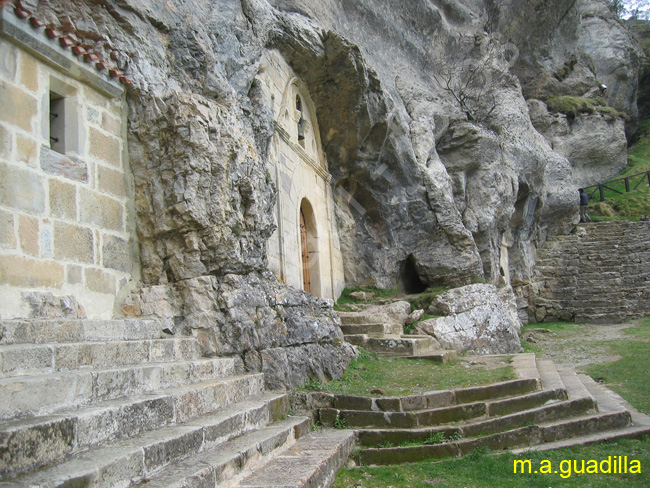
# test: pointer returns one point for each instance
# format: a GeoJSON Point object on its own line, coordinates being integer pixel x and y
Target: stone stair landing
{"type": "Point", "coordinates": [120, 403]}
{"type": "Point", "coordinates": [381, 334]}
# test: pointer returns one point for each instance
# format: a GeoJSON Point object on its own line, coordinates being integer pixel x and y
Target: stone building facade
{"type": "Point", "coordinates": [304, 251]}
{"type": "Point", "coordinates": [65, 218]}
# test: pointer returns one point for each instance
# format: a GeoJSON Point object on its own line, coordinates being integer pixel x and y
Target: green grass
{"type": "Point", "coordinates": [574, 106]}
{"type": "Point", "coordinates": [479, 470]}
{"type": "Point", "coordinates": [345, 299]}
{"type": "Point", "coordinates": [633, 205]}
{"type": "Point", "coordinates": [629, 375]}
{"type": "Point", "coordinates": [402, 376]}
{"type": "Point", "coordinates": [423, 301]}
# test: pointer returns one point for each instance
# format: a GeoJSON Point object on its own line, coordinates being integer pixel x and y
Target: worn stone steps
{"type": "Point", "coordinates": [394, 345]}
{"type": "Point", "coordinates": [52, 331]}
{"type": "Point", "coordinates": [530, 435]}
{"type": "Point", "coordinates": [568, 409]}
{"type": "Point", "coordinates": [430, 400]}
{"type": "Point", "coordinates": [224, 464]}
{"type": "Point", "coordinates": [463, 411]}
{"type": "Point", "coordinates": [30, 359]}
{"type": "Point", "coordinates": [546, 412]}
{"type": "Point", "coordinates": [372, 329]}
{"type": "Point", "coordinates": [45, 394]}
{"type": "Point", "coordinates": [358, 318]}
{"type": "Point", "coordinates": [139, 459]}
{"type": "Point", "coordinates": [30, 443]}
{"type": "Point", "coordinates": [312, 462]}
{"type": "Point", "coordinates": [118, 403]}
{"type": "Point", "coordinates": [601, 274]}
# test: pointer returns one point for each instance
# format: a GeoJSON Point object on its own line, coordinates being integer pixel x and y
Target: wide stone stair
{"type": "Point", "coordinates": [601, 273]}
{"type": "Point", "coordinates": [378, 333]}
{"type": "Point", "coordinates": [107, 403]}
{"type": "Point", "coordinates": [545, 408]}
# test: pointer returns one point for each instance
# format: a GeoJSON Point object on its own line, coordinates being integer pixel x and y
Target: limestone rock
{"type": "Point", "coordinates": [398, 312]}
{"type": "Point", "coordinates": [595, 144]}
{"type": "Point", "coordinates": [287, 333]}
{"type": "Point", "coordinates": [414, 316]}
{"type": "Point", "coordinates": [361, 295]}
{"type": "Point", "coordinates": [476, 321]}
{"type": "Point", "coordinates": [426, 191]}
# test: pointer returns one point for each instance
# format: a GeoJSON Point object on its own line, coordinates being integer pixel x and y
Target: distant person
{"type": "Point", "coordinates": [584, 204]}
{"type": "Point", "coordinates": [645, 218]}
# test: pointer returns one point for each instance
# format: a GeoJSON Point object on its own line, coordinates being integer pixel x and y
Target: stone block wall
{"type": "Point", "coordinates": [599, 274]}
{"type": "Point", "coordinates": [64, 203]}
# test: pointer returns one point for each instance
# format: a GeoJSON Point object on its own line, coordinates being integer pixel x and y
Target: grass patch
{"type": "Point", "coordinates": [481, 470]}
{"type": "Point", "coordinates": [423, 300]}
{"type": "Point", "coordinates": [342, 304]}
{"type": "Point", "coordinates": [633, 205]}
{"type": "Point", "coordinates": [575, 106]}
{"type": "Point", "coordinates": [402, 376]}
{"type": "Point", "coordinates": [629, 375]}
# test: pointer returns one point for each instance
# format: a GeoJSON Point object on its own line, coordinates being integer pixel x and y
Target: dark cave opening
{"type": "Point", "coordinates": [409, 280]}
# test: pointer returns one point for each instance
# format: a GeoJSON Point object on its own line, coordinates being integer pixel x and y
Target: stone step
{"type": "Point", "coordinates": [394, 345]}
{"type": "Point", "coordinates": [30, 359]}
{"type": "Point", "coordinates": [356, 318]}
{"type": "Point", "coordinates": [312, 462]}
{"type": "Point", "coordinates": [369, 329]}
{"type": "Point", "coordinates": [525, 366]}
{"type": "Point", "coordinates": [575, 388]}
{"type": "Point", "coordinates": [437, 355]}
{"type": "Point", "coordinates": [39, 395]}
{"type": "Point", "coordinates": [430, 400]}
{"type": "Point", "coordinates": [544, 413]}
{"type": "Point", "coordinates": [50, 331]}
{"type": "Point", "coordinates": [462, 411]}
{"type": "Point", "coordinates": [549, 375]}
{"type": "Point", "coordinates": [531, 435]}
{"type": "Point", "coordinates": [225, 464]}
{"type": "Point", "coordinates": [32, 443]}
{"type": "Point", "coordinates": [143, 459]}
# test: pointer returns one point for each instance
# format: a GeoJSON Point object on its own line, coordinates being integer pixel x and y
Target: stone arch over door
{"type": "Point", "coordinates": [298, 167]}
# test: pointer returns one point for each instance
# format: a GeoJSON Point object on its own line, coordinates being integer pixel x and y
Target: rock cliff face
{"type": "Point", "coordinates": [439, 175]}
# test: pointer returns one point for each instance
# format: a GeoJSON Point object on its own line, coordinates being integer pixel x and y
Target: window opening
{"type": "Point", "coordinates": [301, 120]}
{"type": "Point", "coordinates": [57, 122]}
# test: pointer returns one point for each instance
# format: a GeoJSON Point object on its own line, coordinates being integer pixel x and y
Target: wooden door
{"type": "Point", "coordinates": [306, 284]}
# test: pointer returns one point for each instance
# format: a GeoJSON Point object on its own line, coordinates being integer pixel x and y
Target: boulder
{"type": "Point", "coordinates": [397, 312]}
{"type": "Point", "coordinates": [476, 321]}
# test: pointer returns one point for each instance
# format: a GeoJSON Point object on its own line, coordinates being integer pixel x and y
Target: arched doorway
{"type": "Point", "coordinates": [309, 249]}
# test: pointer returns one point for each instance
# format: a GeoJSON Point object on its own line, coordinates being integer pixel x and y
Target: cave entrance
{"type": "Point", "coordinates": [309, 249]}
{"type": "Point", "coordinates": [409, 279]}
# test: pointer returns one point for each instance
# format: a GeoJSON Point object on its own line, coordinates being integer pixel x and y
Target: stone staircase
{"type": "Point", "coordinates": [599, 274]}
{"type": "Point", "coordinates": [378, 333]}
{"type": "Point", "coordinates": [546, 408]}
{"type": "Point", "coordinates": [108, 403]}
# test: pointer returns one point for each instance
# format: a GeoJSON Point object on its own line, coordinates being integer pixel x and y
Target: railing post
{"type": "Point", "coordinates": [627, 185]}
{"type": "Point", "coordinates": [601, 190]}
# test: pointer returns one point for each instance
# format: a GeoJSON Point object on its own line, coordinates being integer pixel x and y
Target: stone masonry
{"type": "Point", "coordinates": [599, 273]}
{"type": "Point", "coordinates": [64, 200]}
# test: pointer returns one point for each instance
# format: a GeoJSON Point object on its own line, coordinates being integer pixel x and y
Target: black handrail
{"type": "Point", "coordinates": [600, 187]}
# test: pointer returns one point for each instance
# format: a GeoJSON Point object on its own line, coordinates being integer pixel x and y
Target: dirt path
{"type": "Point", "coordinates": [579, 345]}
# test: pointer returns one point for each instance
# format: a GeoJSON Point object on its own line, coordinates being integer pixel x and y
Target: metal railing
{"type": "Point", "coordinates": [607, 185]}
